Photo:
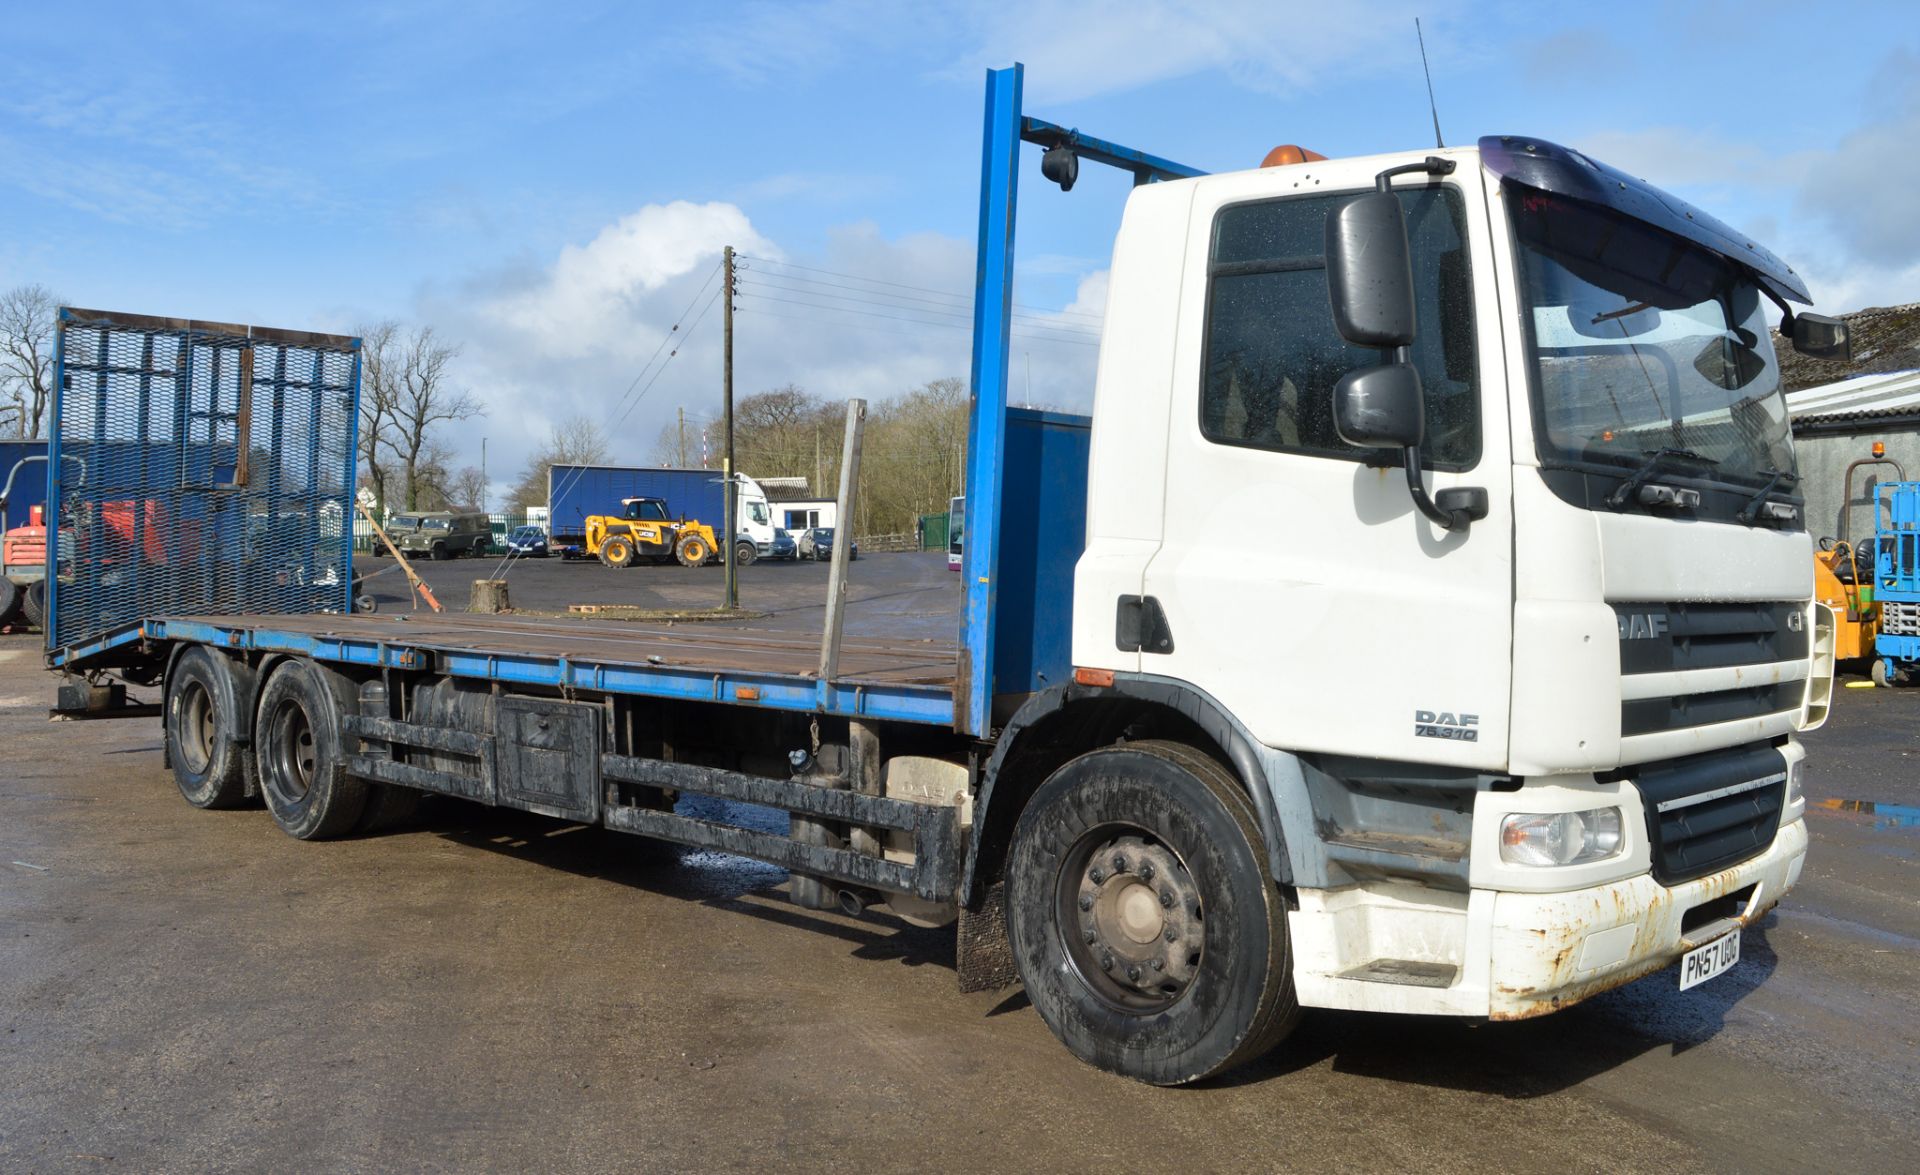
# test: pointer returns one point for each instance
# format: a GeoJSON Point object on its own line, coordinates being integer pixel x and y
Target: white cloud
{"type": "Point", "coordinates": [596, 294]}
{"type": "Point", "coordinates": [867, 315]}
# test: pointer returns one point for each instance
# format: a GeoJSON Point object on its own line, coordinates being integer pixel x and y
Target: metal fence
{"type": "Point", "coordinates": [201, 469]}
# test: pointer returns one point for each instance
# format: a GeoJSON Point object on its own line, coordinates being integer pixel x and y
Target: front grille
{"type": "Point", "coordinates": [1710, 812]}
{"type": "Point", "coordinates": [1649, 715]}
{"type": "Point", "coordinates": [1660, 638]}
{"type": "Point", "coordinates": [1668, 638]}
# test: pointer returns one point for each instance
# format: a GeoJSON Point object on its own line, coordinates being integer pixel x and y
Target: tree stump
{"type": "Point", "coordinates": [489, 595]}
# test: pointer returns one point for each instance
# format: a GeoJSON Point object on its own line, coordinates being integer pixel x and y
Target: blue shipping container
{"type": "Point", "coordinates": [576, 491]}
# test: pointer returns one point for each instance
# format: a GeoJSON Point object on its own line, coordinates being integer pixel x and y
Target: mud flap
{"type": "Point", "coordinates": [983, 955]}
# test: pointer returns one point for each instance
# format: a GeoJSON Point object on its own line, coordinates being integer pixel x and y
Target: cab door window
{"type": "Point", "coordinates": [1272, 355]}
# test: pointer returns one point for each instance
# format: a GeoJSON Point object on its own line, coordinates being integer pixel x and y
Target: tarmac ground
{"type": "Point", "coordinates": [487, 989]}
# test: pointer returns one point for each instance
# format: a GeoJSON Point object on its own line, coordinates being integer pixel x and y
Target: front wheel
{"type": "Point", "coordinates": [1146, 925]}
{"type": "Point", "coordinates": [693, 551]}
{"type": "Point", "coordinates": [744, 554]}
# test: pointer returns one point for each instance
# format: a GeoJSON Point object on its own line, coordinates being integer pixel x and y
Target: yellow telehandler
{"type": "Point", "coordinates": [644, 530]}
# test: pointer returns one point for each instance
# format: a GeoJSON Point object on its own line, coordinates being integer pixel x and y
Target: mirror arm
{"type": "Point", "coordinates": [1454, 519]}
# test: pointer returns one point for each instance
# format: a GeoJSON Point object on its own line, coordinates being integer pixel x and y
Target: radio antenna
{"type": "Point", "coordinates": [1431, 105]}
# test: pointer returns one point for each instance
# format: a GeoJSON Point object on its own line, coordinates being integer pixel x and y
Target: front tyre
{"type": "Point", "coordinates": [1148, 930]}
{"type": "Point", "coordinates": [301, 746]}
{"type": "Point", "coordinates": [693, 551]}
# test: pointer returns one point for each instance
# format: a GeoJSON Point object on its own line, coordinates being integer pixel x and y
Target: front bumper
{"type": "Point", "coordinates": [1552, 950]}
{"type": "Point", "coordinates": [1502, 954]}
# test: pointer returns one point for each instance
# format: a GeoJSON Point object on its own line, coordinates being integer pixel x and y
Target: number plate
{"type": "Point", "coordinates": [1709, 960]}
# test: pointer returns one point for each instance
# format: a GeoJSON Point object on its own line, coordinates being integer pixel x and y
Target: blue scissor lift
{"type": "Point", "coordinates": [1896, 580]}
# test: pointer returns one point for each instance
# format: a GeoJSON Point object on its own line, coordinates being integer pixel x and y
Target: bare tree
{"type": "Point", "coordinates": [422, 399]}
{"type": "Point", "coordinates": [467, 490]}
{"type": "Point", "coordinates": [379, 376]}
{"type": "Point", "coordinates": [26, 355]}
{"type": "Point", "coordinates": [577, 440]}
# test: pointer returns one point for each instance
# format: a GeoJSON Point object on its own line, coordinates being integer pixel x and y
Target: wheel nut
{"type": "Point", "coordinates": [1119, 863]}
{"type": "Point", "coordinates": [1166, 899]}
{"type": "Point", "coordinates": [1092, 938]}
{"type": "Point", "coordinates": [1146, 871]}
{"type": "Point", "coordinates": [1172, 935]}
{"type": "Point", "coordinates": [1097, 877]}
{"type": "Point", "coordinates": [1159, 964]}
{"type": "Point", "coordinates": [1106, 960]}
{"type": "Point", "coordinates": [1133, 973]}
{"type": "Point", "coordinates": [1086, 901]}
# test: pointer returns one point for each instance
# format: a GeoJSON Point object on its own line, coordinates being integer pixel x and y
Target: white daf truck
{"type": "Point", "coordinates": [1502, 716]}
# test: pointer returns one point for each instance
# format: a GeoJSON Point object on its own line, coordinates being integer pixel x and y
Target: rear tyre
{"type": "Point", "coordinates": [301, 746]}
{"type": "Point", "coordinates": [617, 552]}
{"type": "Point", "coordinates": [1147, 929]}
{"type": "Point", "coordinates": [744, 554]}
{"type": "Point", "coordinates": [9, 600]}
{"type": "Point", "coordinates": [33, 603]}
{"type": "Point", "coordinates": [693, 551]}
{"type": "Point", "coordinates": [210, 766]}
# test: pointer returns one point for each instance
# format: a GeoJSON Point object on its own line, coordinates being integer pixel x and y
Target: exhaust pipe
{"type": "Point", "coordinates": [854, 902]}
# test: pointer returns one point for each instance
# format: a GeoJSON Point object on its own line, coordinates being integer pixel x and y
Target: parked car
{"type": "Point", "coordinates": [528, 542]}
{"type": "Point", "coordinates": [441, 534]}
{"type": "Point", "coordinates": [784, 545]}
{"type": "Point", "coordinates": [818, 544]}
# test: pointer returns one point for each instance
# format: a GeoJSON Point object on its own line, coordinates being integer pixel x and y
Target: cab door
{"type": "Point", "coordinates": [1295, 581]}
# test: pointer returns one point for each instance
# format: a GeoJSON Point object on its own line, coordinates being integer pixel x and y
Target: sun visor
{"type": "Point", "coordinates": [1549, 167]}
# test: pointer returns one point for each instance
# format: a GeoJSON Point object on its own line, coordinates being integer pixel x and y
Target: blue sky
{"type": "Point", "coordinates": [549, 184]}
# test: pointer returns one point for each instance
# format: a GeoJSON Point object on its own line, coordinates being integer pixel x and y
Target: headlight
{"type": "Point", "coordinates": [1560, 838]}
{"type": "Point", "coordinates": [1794, 772]}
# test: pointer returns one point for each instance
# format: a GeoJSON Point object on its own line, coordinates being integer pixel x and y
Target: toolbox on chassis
{"type": "Point", "coordinates": [1513, 408]}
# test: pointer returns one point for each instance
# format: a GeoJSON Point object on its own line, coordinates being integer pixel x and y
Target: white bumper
{"type": "Point", "coordinates": [1508, 955]}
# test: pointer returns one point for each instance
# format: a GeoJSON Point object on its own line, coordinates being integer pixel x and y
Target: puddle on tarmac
{"type": "Point", "coordinates": [1884, 815]}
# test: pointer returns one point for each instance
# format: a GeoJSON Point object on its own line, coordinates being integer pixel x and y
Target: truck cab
{"type": "Point", "coordinates": [1517, 752]}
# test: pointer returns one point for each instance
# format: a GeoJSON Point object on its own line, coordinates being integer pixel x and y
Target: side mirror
{"type": "Point", "coordinates": [1822, 337]}
{"type": "Point", "coordinates": [1380, 407]}
{"type": "Point", "coordinates": [1370, 271]}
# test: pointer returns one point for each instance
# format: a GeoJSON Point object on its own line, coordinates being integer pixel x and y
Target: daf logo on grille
{"type": "Point", "coordinates": [1641, 626]}
{"type": "Point", "coordinates": [1796, 622]}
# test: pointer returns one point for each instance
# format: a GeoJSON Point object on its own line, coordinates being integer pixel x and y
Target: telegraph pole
{"type": "Point", "coordinates": [683, 437]}
{"type": "Point", "coordinates": [726, 407]}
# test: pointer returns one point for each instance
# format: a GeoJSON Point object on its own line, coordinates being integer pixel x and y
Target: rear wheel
{"type": "Point", "coordinates": [210, 766]}
{"type": "Point", "coordinates": [301, 746]}
{"type": "Point", "coordinates": [693, 551]}
{"type": "Point", "coordinates": [1147, 929]}
{"type": "Point", "coordinates": [33, 603]}
{"type": "Point", "coordinates": [617, 552]}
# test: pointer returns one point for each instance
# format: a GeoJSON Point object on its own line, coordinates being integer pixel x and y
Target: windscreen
{"type": "Point", "coordinates": [1643, 342]}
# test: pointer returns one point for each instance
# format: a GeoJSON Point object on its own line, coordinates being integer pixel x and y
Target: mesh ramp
{"type": "Point", "coordinates": [196, 467]}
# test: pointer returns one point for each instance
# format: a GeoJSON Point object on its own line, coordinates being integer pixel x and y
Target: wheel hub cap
{"type": "Point", "coordinates": [1139, 921]}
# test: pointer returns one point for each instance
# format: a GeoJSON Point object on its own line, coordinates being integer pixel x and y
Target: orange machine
{"type": "Point", "coordinates": [1856, 618]}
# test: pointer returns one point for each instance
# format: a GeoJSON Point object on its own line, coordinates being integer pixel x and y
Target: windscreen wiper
{"type": "Point", "coordinates": [1776, 511]}
{"type": "Point", "coordinates": [1628, 490]}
